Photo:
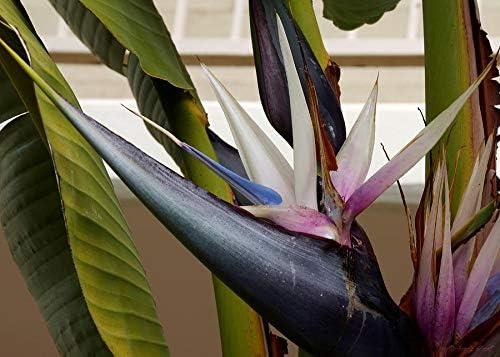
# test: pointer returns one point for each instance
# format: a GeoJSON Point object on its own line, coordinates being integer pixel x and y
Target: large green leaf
{"type": "Point", "coordinates": [350, 14]}
{"type": "Point", "coordinates": [150, 105]}
{"type": "Point", "coordinates": [33, 223]}
{"type": "Point", "coordinates": [107, 264]}
{"type": "Point", "coordinates": [102, 43]}
{"type": "Point", "coordinates": [139, 27]}
{"type": "Point", "coordinates": [10, 104]}
{"type": "Point", "coordinates": [91, 32]}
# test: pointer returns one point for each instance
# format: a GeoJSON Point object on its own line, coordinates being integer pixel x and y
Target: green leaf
{"type": "Point", "coordinates": [10, 105]}
{"type": "Point", "coordinates": [150, 105]}
{"type": "Point", "coordinates": [33, 224]}
{"type": "Point", "coordinates": [138, 26]}
{"type": "Point", "coordinates": [102, 43]}
{"type": "Point", "coordinates": [92, 33]}
{"type": "Point", "coordinates": [350, 14]}
{"type": "Point", "coordinates": [109, 270]}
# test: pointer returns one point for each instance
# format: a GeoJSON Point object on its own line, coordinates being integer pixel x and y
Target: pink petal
{"type": "Point", "coordinates": [297, 219]}
{"type": "Point", "coordinates": [478, 278]}
{"type": "Point", "coordinates": [425, 289]}
{"type": "Point", "coordinates": [461, 262]}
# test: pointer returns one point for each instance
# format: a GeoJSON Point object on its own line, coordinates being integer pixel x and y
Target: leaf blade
{"type": "Point", "coordinates": [34, 227]}
{"type": "Point", "coordinates": [139, 27]}
{"type": "Point", "coordinates": [83, 183]}
{"type": "Point", "coordinates": [350, 14]}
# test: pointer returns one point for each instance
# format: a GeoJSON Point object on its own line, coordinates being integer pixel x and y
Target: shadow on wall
{"type": "Point", "coordinates": [181, 285]}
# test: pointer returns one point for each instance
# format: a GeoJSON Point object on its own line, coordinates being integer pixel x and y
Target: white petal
{"type": "Point", "coordinates": [264, 163]}
{"type": "Point", "coordinates": [304, 153]}
{"type": "Point", "coordinates": [355, 155]}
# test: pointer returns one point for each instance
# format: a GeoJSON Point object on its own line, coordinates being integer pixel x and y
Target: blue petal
{"type": "Point", "coordinates": [257, 194]}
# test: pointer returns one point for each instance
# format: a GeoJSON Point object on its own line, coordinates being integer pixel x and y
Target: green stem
{"type": "Point", "coordinates": [449, 67]}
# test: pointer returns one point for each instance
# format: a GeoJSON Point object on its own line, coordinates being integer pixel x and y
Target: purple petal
{"type": "Point", "coordinates": [478, 278]}
{"type": "Point", "coordinates": [468, 207]}
{"type": "Point", "coordinates": [425, 289]}
{"type": "Point", "coordinates": [461, 262]}
{"type": "Point", "coordinates": [444, 318]}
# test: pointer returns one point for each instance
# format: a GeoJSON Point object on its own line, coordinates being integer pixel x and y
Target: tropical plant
{"type": "Point", "coordinates": [283, 243]}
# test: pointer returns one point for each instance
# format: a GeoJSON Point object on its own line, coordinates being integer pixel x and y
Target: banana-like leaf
{"type": "Point", "coordinates": [33, 224]}
{"type": "Point", "coordinates": [107, 264]}
{"type": "Point", "coordinates": [10, 104]}
{"type": "Point", "coordinates": [102, 43]}
{"type": "Point", "coordinates": [92, 33]}
{"type": "Point", "coordinates": [350, 14]}
{"type": "Point", "coordinates": [338, 303]}
{"type": "Point", "coordinates": [139, 27]}
{"type": "Point", "coordinates": [150, 104]}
